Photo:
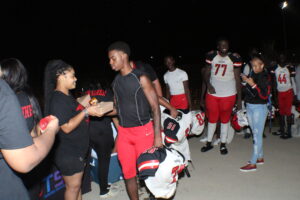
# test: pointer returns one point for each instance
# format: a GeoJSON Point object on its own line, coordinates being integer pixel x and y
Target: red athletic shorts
{"type": "Point", "coordinates": [285, 101]}
{"type": "Point", "coordinates": [179, 101]}
{"type": "Point", "coordinates": [219, 108]}
{"type": "Point", "coordinates": [131, 143]}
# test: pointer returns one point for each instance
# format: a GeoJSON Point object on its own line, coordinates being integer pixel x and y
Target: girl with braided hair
{"type": "Point", "coordinates": [72, 143]}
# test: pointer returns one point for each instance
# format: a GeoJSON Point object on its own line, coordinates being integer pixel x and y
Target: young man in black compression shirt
{"type": "Point", "coordinates": [136, 103]}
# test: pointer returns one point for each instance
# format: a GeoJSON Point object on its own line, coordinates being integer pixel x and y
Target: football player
{"type": "Point", "coordinates": [283, 77]}
{"type": "Point", "coordinates": [223, 90]}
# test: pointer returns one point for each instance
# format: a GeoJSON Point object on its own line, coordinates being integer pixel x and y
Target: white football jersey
{"type": "Point", "coordinates": [283, 77]}
{"type": "Point", "coordinates": [222, 73]}
{"type": "Point", "coordinates": [175, 132]}
{"type": "Point", "coordinates": [198, 122]}
{"type": "Point", "coordinates": [163, 184]}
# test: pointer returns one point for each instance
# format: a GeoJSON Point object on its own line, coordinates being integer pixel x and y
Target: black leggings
{"type": "Point", "coordinates": [102, 141]}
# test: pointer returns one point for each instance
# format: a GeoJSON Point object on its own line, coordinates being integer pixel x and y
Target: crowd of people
{"type": "Point", "coordinates": [137, 93]}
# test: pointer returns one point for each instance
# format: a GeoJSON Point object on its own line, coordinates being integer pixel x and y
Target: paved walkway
{"type": "Point", "coordinates": [217, 177]}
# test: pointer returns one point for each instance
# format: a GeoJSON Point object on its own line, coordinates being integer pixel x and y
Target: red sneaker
{"type": "Point", "coordinates": [248, 168]}
{"type": "Point", "coordinates": [260, 161]}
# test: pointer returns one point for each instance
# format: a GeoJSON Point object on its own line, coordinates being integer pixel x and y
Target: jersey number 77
{"type": "Point", "coordinates": [218, 66]}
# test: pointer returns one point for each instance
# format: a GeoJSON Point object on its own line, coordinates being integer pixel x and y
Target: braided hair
{"type": "Point", "coordinates": [53, 70]}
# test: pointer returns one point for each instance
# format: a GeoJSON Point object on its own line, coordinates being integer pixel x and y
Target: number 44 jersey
{"type": "Point", "coordinates": [283, 76]}
{"type": "Point", "coordinates": [222, 72]}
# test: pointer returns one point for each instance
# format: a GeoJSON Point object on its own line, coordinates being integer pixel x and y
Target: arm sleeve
{"type": "Point", "coordinates": [237, 61]}
{"type": "Point", "coordinates": [262, 88]}
{"type": "Point", "coordinates": [14, 133]}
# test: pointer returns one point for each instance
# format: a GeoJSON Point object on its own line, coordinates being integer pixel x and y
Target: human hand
{"type": "Point", "coordinates": [211, 89]}
{"type": "Point", "coordinates": [158, 142]}
{"type": "Point", "coordinates": [173, 113]}
{"type": "Point", "coordinates": [93, 110]}
{"type": "Point", "coordinates": [49, 123]}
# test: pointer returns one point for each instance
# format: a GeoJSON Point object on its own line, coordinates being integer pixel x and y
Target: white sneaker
{"type": "Point", "coordinates": [111, 193]}
{"type": "Point", "coordinates": [204, 140]}
{"type": "Point", "coordinates": [217, 141]}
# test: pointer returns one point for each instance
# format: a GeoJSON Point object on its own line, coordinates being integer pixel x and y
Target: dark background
{"type": "Point", "coordinates": [79, 32]}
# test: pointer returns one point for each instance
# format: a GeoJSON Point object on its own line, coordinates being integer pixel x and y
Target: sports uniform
{"type": "Point", "coordinates": [220, 104]}
{"type": "Point", "coordinates": [159, 167]}
{"type": "Point", "coordinates": [284, 79]}
{"type": "Point", "coordinates": [136, 133]}
{"type": "Point", "coordinates": [175, 132]}
{"type": "Point", "coordinates": [174, 79]}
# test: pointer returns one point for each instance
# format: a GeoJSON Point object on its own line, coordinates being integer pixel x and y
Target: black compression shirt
{"type": "Point", "coordinates": [132, 104]}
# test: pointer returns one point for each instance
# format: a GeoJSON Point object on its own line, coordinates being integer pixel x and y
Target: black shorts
{"type": "Point", "coordinates": [70, 165]}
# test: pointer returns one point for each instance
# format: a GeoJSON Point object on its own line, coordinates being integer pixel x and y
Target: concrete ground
{"type": "Point", "coordinates": [216, 176]}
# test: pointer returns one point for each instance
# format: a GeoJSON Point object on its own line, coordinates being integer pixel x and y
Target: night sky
{"type": "Point", "coordinates": [79, 32]}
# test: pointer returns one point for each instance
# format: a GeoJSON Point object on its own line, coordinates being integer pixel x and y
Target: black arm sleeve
{"type": "Point", "coordinates": [262, 89]}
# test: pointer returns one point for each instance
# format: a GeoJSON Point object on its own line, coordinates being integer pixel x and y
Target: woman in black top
{"type": "Point", "coordinates": [258, 89]}
{"type": "Point", "coordinates": [72, 143]}
{"type": "Point", "coordinates": [15, 74]}
{"type": "Point", "coordinates": [101, 136]}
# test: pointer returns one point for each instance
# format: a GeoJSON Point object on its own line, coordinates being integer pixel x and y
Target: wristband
{"type": "Point", "coordinates": [86, 113]}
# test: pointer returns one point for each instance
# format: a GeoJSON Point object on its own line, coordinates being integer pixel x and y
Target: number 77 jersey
{"type": "Point", "coordinates": [222, 73]}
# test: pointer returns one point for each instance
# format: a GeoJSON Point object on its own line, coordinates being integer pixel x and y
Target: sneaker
{"type": "Point", "coordinates": [248, 168]}
{"type": "Point", "coordinates": [223, 150]}
{"type": "Point", "coordinates": [217, 141]}
{"type": "Point", "coordinates": [111, 193]}
{"type": "Point", "coordinates": [206, 148]}
{"type": "Point", "coordinates": [258, 162]}
{"type": "Point", "coordinates": [204, 140]}
{"type": "Point", "coordinates": [285, 136]}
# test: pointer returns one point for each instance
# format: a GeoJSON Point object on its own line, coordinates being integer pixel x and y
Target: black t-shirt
{"type": "Point", "coordinates": [132, 105]}
{"type": "Point", "coordinates": [147, 69]}
{"type": "Point", "coordinates": [75, 143]}
{"type": "Point", "coordinates": [101, 95]}
{"type": "Point", "coordinates": [13, 135]}
{"type": "Point", "coordinates": [26, 108]}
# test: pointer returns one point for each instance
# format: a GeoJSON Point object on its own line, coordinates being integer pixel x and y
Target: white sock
{"type": "Point", "coordinates": [224, 132]}
{"type": "Point", "coordinates": [211, 131]}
